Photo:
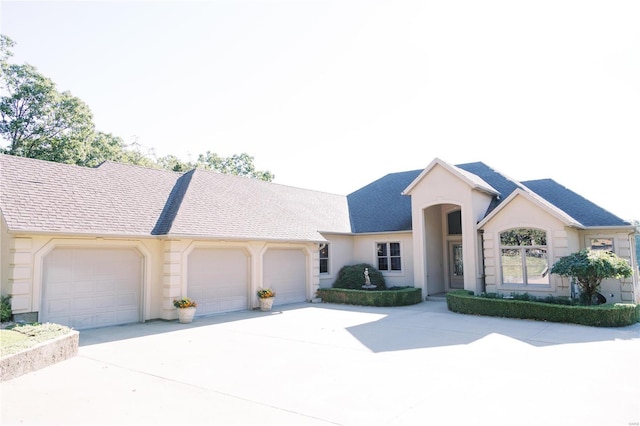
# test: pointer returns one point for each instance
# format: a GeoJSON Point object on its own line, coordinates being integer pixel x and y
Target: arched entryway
{"type": "Point", "coordinates": [444, 250]}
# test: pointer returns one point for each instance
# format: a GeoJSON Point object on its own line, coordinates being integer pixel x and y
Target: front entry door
{"type": "Point", "coordinates": [456, 270]}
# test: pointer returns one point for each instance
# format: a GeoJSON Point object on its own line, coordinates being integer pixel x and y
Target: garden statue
{"type": "Point", "coordinates": [367, 280]}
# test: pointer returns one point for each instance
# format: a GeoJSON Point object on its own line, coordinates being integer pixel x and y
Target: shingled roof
{"type": "Point", "coordinates": [379, 207]}
{"type": "Point", "coordinates": [127, 200]}
{"type": "Point", "coordinates": [113, 199]}
{"type": "Point", "coordinates": [122, 199]}
{"type": "Point", "coordinates": [582, 210]}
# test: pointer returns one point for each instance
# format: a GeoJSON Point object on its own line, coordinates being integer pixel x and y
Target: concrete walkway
{"type": "Point", "coordinates": [322, 364]}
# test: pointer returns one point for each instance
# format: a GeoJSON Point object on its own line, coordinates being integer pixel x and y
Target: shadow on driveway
{"type": "Point", "coordinates": [426, 325]}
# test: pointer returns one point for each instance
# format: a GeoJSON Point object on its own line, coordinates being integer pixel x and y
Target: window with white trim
{"type": "Point", "coordinates": [324, 259]}
{"type": "Point", "coordinates": [523, 257]}
{"type": "Point", "coordinates": [389, 258]}
{"type": "Point", "coordinates": [601, 244]}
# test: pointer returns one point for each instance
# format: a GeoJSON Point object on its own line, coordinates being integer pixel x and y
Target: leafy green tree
{"type": "Point", "coordinates": [36, 120]}
{"type": "Point", "coordinates": [589, 268]}
{"type": "Point", "coordinates": [237, 164]}
{"type": "Point", "coordinates": [103, 147]}
{"type": "Point", "coordinates": [171, 162]}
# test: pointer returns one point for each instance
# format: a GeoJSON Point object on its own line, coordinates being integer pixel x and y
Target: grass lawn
{"type": "Point", "coordinates": [23, 337]}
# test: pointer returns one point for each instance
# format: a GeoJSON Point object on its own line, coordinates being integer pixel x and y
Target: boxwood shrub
{"type": "Point", "coordinates": [352, 276]}
{"type": "Point", "coordinates": [392, 297]}
{"type": "Point", "coordinates": [609, 315]}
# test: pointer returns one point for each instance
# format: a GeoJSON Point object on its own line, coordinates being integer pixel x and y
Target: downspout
{"type": "Point", "coordinates": [483, 281]}
{"type": "Point", "coordinates": [634, 261]}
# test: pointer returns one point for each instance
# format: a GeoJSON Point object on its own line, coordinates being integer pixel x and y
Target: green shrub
{"type": "Point", "coordinates": [352, 276]}
{"type": "Point", "coordinates": [397, 297]}
{"type": "Point", "coordinates": [5, 308]}
{"type": "Point", "coordinates": [615, 315]}
{"type": "Point", "coordinates": [556, 300]}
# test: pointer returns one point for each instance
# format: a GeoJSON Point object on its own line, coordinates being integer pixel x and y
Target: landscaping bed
{"type": "Point", "coordinates": [608, 315]}
{"type": "Point", "coordinates": [391, 297]}
{"type": "Point", "coordinates": [30, 347]}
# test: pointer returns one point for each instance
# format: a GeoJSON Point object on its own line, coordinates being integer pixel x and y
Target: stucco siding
{"type": "Point", "coordinates": [365, 251]}
{"type": "Point", "coordinates": [341, 253]}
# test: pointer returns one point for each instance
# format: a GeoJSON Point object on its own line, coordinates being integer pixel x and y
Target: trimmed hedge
{"type": "Point", "coordinates": [399, 297]}
{"type": "Point", "coordinates": [611, 315]}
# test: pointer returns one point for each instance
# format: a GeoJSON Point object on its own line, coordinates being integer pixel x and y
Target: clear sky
{"type": "Point", "coordinates": [331, 95]}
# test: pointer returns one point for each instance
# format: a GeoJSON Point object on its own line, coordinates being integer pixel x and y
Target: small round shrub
{"type": "Point", "coordinates": [352, 276]}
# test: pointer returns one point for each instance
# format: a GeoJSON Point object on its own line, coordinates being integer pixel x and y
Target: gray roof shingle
{"type": "Point", "coordinates": [576, 206]}
{"type": "Point", "coordinates": [122, 199]}
{"type": "Point", "coordinates": [380, 205]}
{"type": "Point", "coordinates": [226, 206]}
{"type": "Point", "coordinates": [112, 199]}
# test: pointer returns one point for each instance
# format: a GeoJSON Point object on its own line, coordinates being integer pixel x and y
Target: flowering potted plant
{"type": "Point", "coordinates": [265, 297]}
{"type": "Point", "coordinates": [186, 309]}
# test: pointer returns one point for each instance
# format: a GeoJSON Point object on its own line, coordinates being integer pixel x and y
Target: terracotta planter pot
{"type": "Point", "coordinates": [266, 304]}
{"type": "Point", "coordinates": [185, 315]}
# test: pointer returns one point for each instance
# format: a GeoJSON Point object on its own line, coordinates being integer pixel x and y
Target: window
{"type": "Point", "coordinates": [601, 244]}
{"type": "Point", "coordinates": [524, 257]}
{"type": "Point", "coordinates": [454, 223]}
{"type": "Point", "coordinates": [324, 259]}
{"type": "Point", "coordinates": [389, 257]}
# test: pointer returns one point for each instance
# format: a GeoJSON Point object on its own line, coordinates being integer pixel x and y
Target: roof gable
{"type": "Point", "coordinates": [534, 199]}
{"type": "Point", "coordinates": [472, 180]}
{"type": "Point", "coordinates": [501, 183]}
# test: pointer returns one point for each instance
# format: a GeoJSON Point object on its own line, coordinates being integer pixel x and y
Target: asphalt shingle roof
{"type": "Point", "coordinates": [114, 199]}
{"type": "Point", "coordinates": [576, 206]}
{"type": "Point", "coordinates": [122, 199]}
{"type": "Point", "coordinates": [226, 206]}
{"type": "Point", "coordinates": [380, 206]}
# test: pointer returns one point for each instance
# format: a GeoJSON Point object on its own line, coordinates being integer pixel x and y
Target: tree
{"type": "Point", "coordinates": [103, 147]}
{"type": "Point", "coordinates": [237, 164]}
{"type": "Point", "coordinates": [589, 268]}
{"type": "Point", "coordinates": [36, 120]}
{"type": "Point", "coordinates": [171, 162]}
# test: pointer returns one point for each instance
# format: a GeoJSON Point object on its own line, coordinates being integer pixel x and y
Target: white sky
{"type": "Point", "coordinates": [331, 95]}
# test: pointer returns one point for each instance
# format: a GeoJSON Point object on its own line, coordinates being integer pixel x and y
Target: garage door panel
{"type": "Point", "coordinates": [79, 288]}
{"type": "Point", "coordinates": [285, 272]}
{"type": "Point", "coordinates": [86, 288]}
{"type": "Point", "coordinates": [218, 280]}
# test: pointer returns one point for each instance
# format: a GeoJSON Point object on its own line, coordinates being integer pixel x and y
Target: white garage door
{"type": "Point", "coordinates": [285, 271]}
{"type": "Point", "coordinates": [218, 279]}
{"type": "Point", "coordinates": [86, 288]}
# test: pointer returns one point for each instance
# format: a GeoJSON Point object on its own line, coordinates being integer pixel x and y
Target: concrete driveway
{"type": "Point", "coordinates": [322, 364]}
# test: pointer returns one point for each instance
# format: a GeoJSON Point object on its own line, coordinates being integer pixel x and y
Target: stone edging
{"type": "Point", "coordinates": [39, 356]}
